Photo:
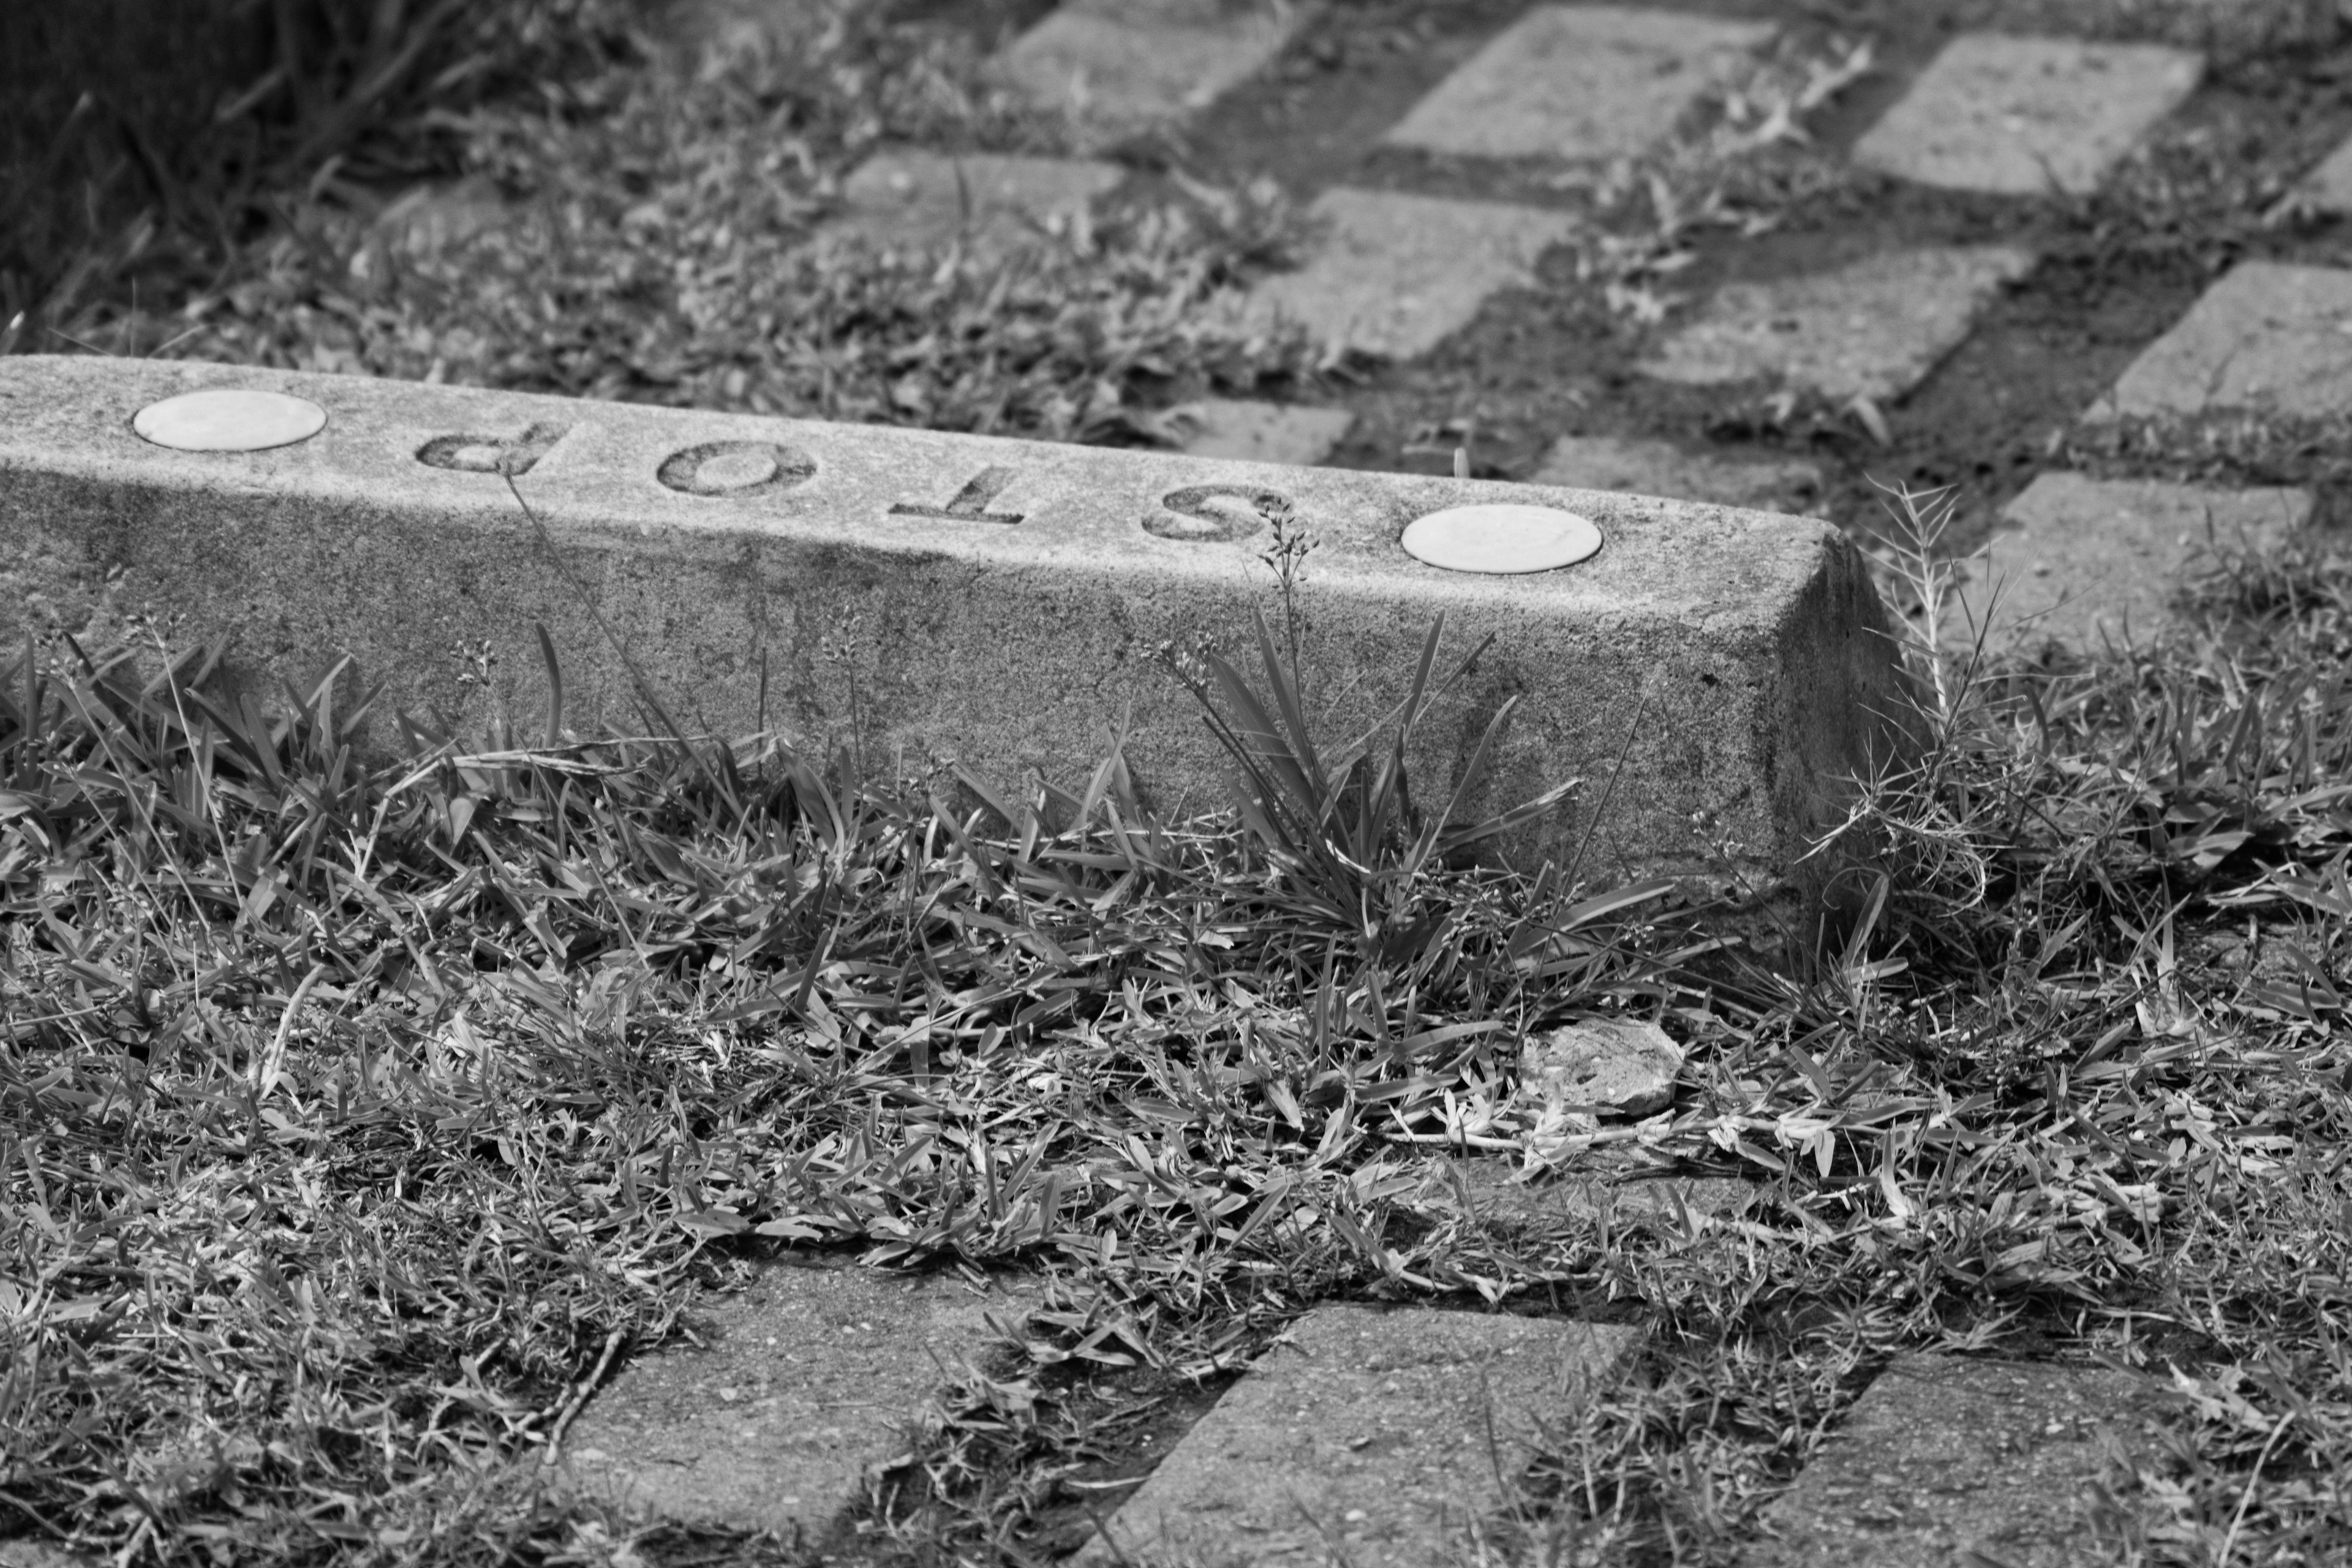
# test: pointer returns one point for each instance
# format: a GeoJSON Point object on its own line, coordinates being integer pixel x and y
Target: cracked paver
{"type": "Point", "coordinates": [2268, 337]}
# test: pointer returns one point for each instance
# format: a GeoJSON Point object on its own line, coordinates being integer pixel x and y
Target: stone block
{"type": "Point", "coordinates": [2329, 186]}
{"type": "Point", "coordinates": [1871, 329]}
{"type": "Point", "coordinates": [2016, 116]}
{"type": "Point", "coordinates": [1368, 1436]}
{"type": "Point", "coordinates": [2087, 562]}
{"type": "Point", "coordinates": [1116, 68]}
{"type": "Point", "coordinates": [1944, 1462]}
{"type": "Point", "coordinates": [1585, 82]}
{"type": "Point", "coordinates": [1394, 275]}
{"type": "Point", "coordinates": [2267, 337]}
{"type": "Point", "coordinates": [433, 218]}
{"type": "Point", "coordinates": [1244, 432]}
{"type": "Point", "coordinates": [911, 597]}
{"type": "Point", "coordinates": [1663, 468]}
{"type": "Point", "coordinates": [1602, 1185]}
{"type": "Point", "coordinates": [993, 201]}
{"type": "Point", "coordinates": [802, 1382]}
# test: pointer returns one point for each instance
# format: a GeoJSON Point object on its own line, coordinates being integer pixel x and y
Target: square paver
{"type": "Point", "coordinates": [1873, 328]}
{"type": "Point", "coordinates": [1395, 275]}
{"type": "Point", "coordinates": [1947, 1463]}
{"type": "Point", "coordinates": [2085, 562]}
{"type": "Point", "coordinates": [1663, 468]}
{"type": "Point", "coordinates": [806, 1378]}
{"type": "Point", "coordinates": [2329, 186]}
{"type": "Point", "coordinates": [1115, 67]}
{"type": "Point", "coordinates": [2266, 337]}
{"type": "Point", "coordinates": [1249, 432]}
{"type": "Point", "coordinates": [1369, 1436]}
{"type": "Point", "coordinates": [1582, 82]}
{"type": "Point", "coordinates": [991, 200]}
{"type": "Point", "coordinates": [2014, 116]}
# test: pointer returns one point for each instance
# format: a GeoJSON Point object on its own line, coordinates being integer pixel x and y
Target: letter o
{"type": "Point", "coordinates": [737, 469]}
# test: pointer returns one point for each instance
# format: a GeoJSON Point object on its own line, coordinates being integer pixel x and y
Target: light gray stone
{"type": "Point", "coordinates": [990, 200]}
{"type": "Point", "coordinates": [2015, 116]}
{"type": "Point", "coordinates": [433, 218]}
{"type": "Point", "coordinates": [2329, 186]}
{"type": "Point", "coordinates": [1948, 1463]}
{"type": "Point", "coordinates": [1601, 1185]}
{"type": "Point", "coordinates": [1872, 329]}
{"type": "Point", "coordinates": [1369, 1436]}
{"type": "Point", "coordinates": [915, 596]}
{"type": "Point", "coordinates": [2088, 561]}
{"type": "Point", "coordinates": [1394, 275]}
{"type": "Point", "coordinates": [1246, 432]}
{"type": "Point", "coordinates": [28, 1552]}
{"type": "Point", "coordinates": [1115, 67]}
{"type": "Point", "coordinates": [1579, 83]}
{"type": "Point", "coordinates": [2267, 337]}
{"type": "Point", "coordinates": [1663, 468]}
{"type": "Point", "coordinates": [1614, 1067]}
{"type": "Point", "coordinates": [806, 1379]}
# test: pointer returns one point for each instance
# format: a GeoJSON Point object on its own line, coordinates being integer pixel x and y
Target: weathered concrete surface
{"type": "Point", "coordinates": [1395, 274]}
{"type": "Point", "coordinates": [1663, 468]}
{"type": "Point", "coordinates": [2014, 116]}
{"type": "Point", "coordinates": [2266, 337]}
{"type": "Point", "coordinates": [869, 590]}
{"type": "Point", "coordinates": [1582, 82]}
{"type": "Point", "coordinates": [1370, 1437]}
{"type": "Point", "coordinates": [1947, 1463]}
{"type": "Point", "coordinates": [1873, 327]}
{"type": "Point", "coordinates": [2088, 561]}
{"type": "Point", "coordinates": [806, 1379]}
{"type": "Point", "coordinates": [1115, 67]}
{"type": "Point", "coordinates": [993, 200]}
{"type": "Point", "coordinates": [1246, 432]}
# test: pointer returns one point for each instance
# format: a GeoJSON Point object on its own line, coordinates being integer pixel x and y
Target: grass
{"type": "Point", "coordinates": [357, 1111]}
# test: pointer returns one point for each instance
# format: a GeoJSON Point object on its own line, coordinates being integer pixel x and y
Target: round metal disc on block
{"type": "Point", "coordinates": [1501, 538]}
{"type": "Point", "coordinates": [229, 419]}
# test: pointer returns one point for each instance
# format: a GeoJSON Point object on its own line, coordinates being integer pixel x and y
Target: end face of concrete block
{"type": "Point", "coordinates": [1585, 82]}
{"type": "Point", "coordinates": [1661, 468]}
{"type": "Point", "coordinates": [1873, 328]}
{"type": "Point", "coordinates": [2015, 116]}
{"type": "Point", "coordinates": [1395, 275]}
{"type": "Point", "coordinates": [2267, 337]}
{"type": "Point", "coordinates": [1944, 1460]}
{"type": "Point", "coordinates": [1116, 69]}
{"type": "Point", "coordinates": [1371, 1436]}
{"type": "Point", "coordinates": [2086, 562]}
{"type": "Point", "coordinates": [809, 1377]}
{"type": "Point", "coordinates": [993, 200]}
{"type": "Point", "coordinates": [1004, 603]}
{"type": "Point", "coordinates": [1246, 432]}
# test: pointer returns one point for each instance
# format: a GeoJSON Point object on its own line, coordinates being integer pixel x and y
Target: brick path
{"type": "Point", "coordinates": [1377, 1436]}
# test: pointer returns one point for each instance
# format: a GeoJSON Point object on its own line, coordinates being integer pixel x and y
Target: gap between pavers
{"type": "Point", "coordinates": [802, 1382]}
{"type": "Point", "coordinates": [1639, 466]}
{"type": "Point", "coordinates": [1115, 68]}
{"type": "Point", "coordinates": [995, 202]}
{"type": "Point", "coordinates": [2086, 562]}
{"type": "Point", "coordinates": [2267, 337]}
{"type": "Point", "coordinates": [1948, 1463]}
{"type": "Point", "coordinates": [1588, 82]}
{"type": "Point", "coordinates": [1395, 275]}
{"type": "Point", "coordinates": [1375, 1436]}
{"type": "Point", "coordinates": [1871, 329]}
{"type": "Point", "coordinates": [1248, 432]}
{"type": "Point", "coordinates": [915, 598]}
{"type": "Point", "coordinates": [2015, 116]}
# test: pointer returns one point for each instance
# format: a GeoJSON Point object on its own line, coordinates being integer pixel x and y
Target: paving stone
{"type": "Point", "coordinates": [1370, 1437]}
{"type": "Point", "coordinates": [1249, 432]}
{"type": "Point", "coordinates": [1005, 598]}
{"type": "Point", "coordinates": [1115, 68]}
{"type": "Point", "coordinates": [993, 200]}
{"type": "Point", "coordinates": [1948, 1463]}
{"type": "Point", "coordinates": [1663, 468]}
{"type": "Point", "coordinates": [1582, 82]}
{"type": "Point", "coordinates": [430, 218]}
{"type": "Point", "coordinates": [2087, 561]}
{"type": "Point", "coordinates": [28, 1552]}
{"type": "Point", "coordinates": [2329, 186]}
{"type": "Point", "coordinates": [1872, 329]}
{"type": "Point", "coordinates": [2266, 337]}
{"type": "Point", "coordinates": [2012, 116]}
{"type": "Point", "coordinates": [1607, 1183]}
{"type": "Point", "coordinates": [1395, 275]}
{"type": "Point", "coordinates": [807, 1378]}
